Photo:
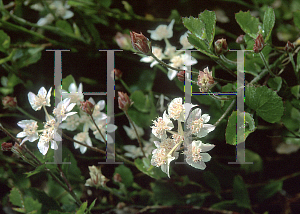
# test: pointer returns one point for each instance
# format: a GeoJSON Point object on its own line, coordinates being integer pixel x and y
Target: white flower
{"type": "Point", "coordinates": [62, 111]}
{"type": "Point", "coordinates": [180, 62]}
{"type": "Point", "coordinates": [97, 114]}
{"type": "Point", "coordinates": [82, 137]}
{"type": "Point", "coordinates": [184, 41]}
{"type": "Point", "coordinates": [103, 127]}
{"type": "Point", "coordinates": [162, 32]}
{"type": "Point", "coordinates": [221, 16]}
{"type": "Point", "coordinates": [133, 151]}
{"type": "Point", "coordinates": [49, 135]}
{"type": "Point", "coordinates": [29, 130]}
{"type": "Point", "coordinates": [131, 132]}
{"type": "Point", "coordinates": [71, 123]}
{"type": "Point", "coordinates": [195, 156]}
{"type": "Point", "coordinates": [170, 50]}
{"type": "Point", "coordinates": [157, 52]}
{"type": "Point", "coordinates": [176, 109]}
{"type": "Point", "coordinates": [97, 179]}
{"type": "Point", "coordinates": [196, 123]}
{"type": "Point", "coordinates": [42, 99]}
{"type": "Point", "coordinates": [287, 149]}
{"type": "Point", "coordinates": [75, 94]}
{"type": "Point", "coordinates": [161, 125]}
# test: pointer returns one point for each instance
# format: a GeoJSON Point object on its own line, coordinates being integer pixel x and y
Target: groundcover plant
{"type": "Point", "coordinates": [177, 106]}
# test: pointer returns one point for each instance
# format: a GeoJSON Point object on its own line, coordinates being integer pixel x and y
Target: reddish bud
{"type": "Point", "coordinates": [289, 47]}
{"type": "Point", "coordinates": [6, 146]}
{"type": "Point", "coordinates": [240, 39]}
{"type": "Point", "coordinates": [259, 44]}
{"type": "Point", "coordinates": [87, 107]}
{"type": "Point", "coordinates": [118, 73]}
{"type": "Point", "coordinates": [221, 46]}
{"type": "Point", "coordinates": [123, 40]}
{"type": "Point", "coordinates": [181, 76]}
{"type": "Point", "coordinates": [205, 80]}
{"type": "Point", "coordinates": [117, 178]}
{"type": "Point", "coordinates": [9, 102]}
{"type": "Point", "coordinates": [140, 43]}
{"type": "Point", "coordinates": [124, 101]}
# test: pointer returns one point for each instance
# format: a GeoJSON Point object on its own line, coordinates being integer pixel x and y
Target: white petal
{"type": "Point", "coordinates": [205, 157]}
{"type": "Point", "coordinates": [172, 74]}
{"type": "Point", "coordinates": [21, 134]}
{"type": "Point", "coordinates": [43, 147]}
{"type": "Point", "coordinates": [68, 14]}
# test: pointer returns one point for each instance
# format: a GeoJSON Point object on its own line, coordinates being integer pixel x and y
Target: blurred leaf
{"type": "Point", "coordinates": [231, 130]}
{"type": "Point", "coordinates": [166, 194]}
{"type": "Point", "coordinates": [209, 19]}
{"type": "Point", "coordinates": [267, 104]}
{"type": "Point", "coordinates": [240, 193]}
{"type": "Point", "coordinates": [268, 23]}
{"type": "Point", "coordinates": [250, 156]}
{"type": "Point", "coordinates": [4, 41]}
{"type": "Point", "coordinates": [92, 205]}
{"type": "Point", "coordinates": [25, 57]}
{"type": "Point", "coordinates": [275, 83]}
{"type": "Point", "coordinates": [295, 90]}
{"type": "Point", "coordinates": [225, 205]}
{"type": "Point", "coordinates": [141, 101]}
{"type": "Point", "coordinates": [66, 82]}
{"type": "Point", "coordinates": [269, 190]}
{"type": "Point", "coordinates": [175, 15]}
{"type": "Point", "coordinates": [211, 180]}
{"type": "Point", "coordinates": [32, 206]}
{"type": "Point", "coordinates": [144, 166]}
{"type": "Point", "coordinates": [106, 3]}
{"type": "Point", "coordinates": [88, 81]}
{"type": "Point", "coordinates": [128, 7]}
{"type": "Point", "coordinates": [64, 26]}
{"type": "Point", "coordinates": [248, 23]}
{"type": "Point", "coordinates": [229, 87]}
{"type": "Point", "coordinates": [296, 15]}
{"type": "Point", "coordinates": [126, 175]}
{"type": "Point", "coordinates": [82, 208]}
{"type": "Point", "coordinates": [16, 198]}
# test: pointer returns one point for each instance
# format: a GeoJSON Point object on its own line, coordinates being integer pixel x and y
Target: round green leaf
{"type": "Point", "coordinates": [240, 192]}
{"type": "Point", "coordinates": [126, 175]}
{"type": "Point", "coordinates": [248, 23]}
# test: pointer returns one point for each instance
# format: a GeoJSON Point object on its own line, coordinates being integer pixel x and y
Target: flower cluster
{"type": "Point", "coordinates": [171, 141]}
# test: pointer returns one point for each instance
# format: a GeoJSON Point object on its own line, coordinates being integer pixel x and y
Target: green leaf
{"type": "Point", "coordinates": [297, 18]}
{"type": "Point", "coordinates": [295, 90]}
{"type": "Point", "coordinates": [240, 192]}
{"type": "Point", "coordinates": [92, 205]}
{"type": "Point", "coordinates": [144, 166]}
{"type": "Point", "coordinates": [211, 180]}
{"type": "Point", "coordinates": [82, 208]}
{"type": "Point", "coordinates": [66, 82]}
{"type": "Point", "coordinates": [248, 23]}
{"type": "Point", "coordinates": [64, 26]}
{"type": "Point", "coordinates": [201, 46]}
{"type": "Point", "coordinates": [250, 156]}
{"type": "Point", "coordinates": [231, 130]}
{"type": "Point", "coordinates": [267, 104]}
{"type": "Point", "coordinates": [269, 190]}
{"type": "Point", "coordinates": [106, 3]}
{"type": "Point", "coordinates": [141, 101]}
{"type": "Point", "coordinates": [143, 119]}
{"type": "Point", "coordinates": [126, 175]}
{"type": "Point", "coordinates": [275, 83]}
{"type": "Point", "coordinates": [16, 198]}
{"type": "Point", "coordinates": [128, 7]}
{"type": "Point", "coordinates": [4, 41]}
{"type": "Point", "coordinates": [195, 26]}
{"type": "Point", "coordinates": [166, 194]}
{"type": "Point", "coordinates": [25, 57]}
{"type": "Point", "coordinates": [268, 23]}
{"type": "Point", "coordinates": [209, 19]}
{"type": "Point", "coordinates": [32, 206]}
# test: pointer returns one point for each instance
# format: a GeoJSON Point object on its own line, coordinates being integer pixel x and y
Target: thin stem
{"type": "Point", "coordinates": [26, 114]}
{"type": "Point", "coordinates": [138, 137]}
{"type": "Point", "coordinates": [265, 62]}
{"type": "Point", "coordinates": [98, 129]}
{"type": "Point", "coordinates": [164, 64]}
{"type": "Point", "coordinates": [225, 113]}
{"type": "Point", "coordinates": [125, 86]}
{"type": "Point", "coordinates": [227, 60]}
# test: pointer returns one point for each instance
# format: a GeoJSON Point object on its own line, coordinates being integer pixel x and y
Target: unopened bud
{"type": "Point", "coordinates": [9, 102]}
{"type": "Point", "coordinates": [117, 178]}
{"type": "Point", "coordinates": [289, 47]}
{"type": "Point", "coordinates": [6, 146]}
{"type": "Point", "coordinates": [123, 40]}
{"type": "Point", "coordinates": [181, 76]}
{"type": "Point", "coordinates": [240, 39]}
{"type": "Point", "coordinates": [87, 107]}
{"type": "Point", "coordinates": [259, 44]}
{"type": "Point", "coordinates": [205, 80]}
{"type": "Point", "coordinates": [221, 46]}
{"type": "Point", "coordinates": [124, 101]}
{"type": "Point", "coordinates": [117, 73]}
{"type": "Point", "coordinates": [140, 43]}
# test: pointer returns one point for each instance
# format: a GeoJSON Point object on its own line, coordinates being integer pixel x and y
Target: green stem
{"type": "Point", "coordinates": [98, 129]}
{"type": "Point", "coordinates": [225, 113]}
{"type": "Point", "coordinates": [164, 64]}
{"type": "Point", "coordinates": [228, 61]}
{"type": "Point", "coordinates": [265, 62]}
{"type": "Point", "coordinates": [125, 86]}
{"type": "Point", "coordinates": [26, 114]}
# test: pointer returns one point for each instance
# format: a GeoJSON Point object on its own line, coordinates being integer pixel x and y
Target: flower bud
{"type": "Point", "coordinates": [124, 101]}
{"type": "Point", "coordinates": [181, 76]}
{"type": "Point", "coordinates": [259, 44]}
{"type": "Point", "coordinates": [117, 73]}
{"type": "Point", "coordinates": [123, 41]}
{"type": "Point", "coordinates": [221, 46]}
{"type": "Point", "coordinates": [9, 102]}
{"type": "Point", "coordinates": [289, 47]}
{"type": "Point", "coordinates": [87, 107]}
{"type": "Point", "coordinates": [240, 39]}
{"type": "Point", "coordinates": [205, 80]}
{"type": "Point", "coordinates": [117, 178]}
{"type": "Point", "coordinates": [6, 146]}
{"type": "Point", "coordinates": [140, 43]}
